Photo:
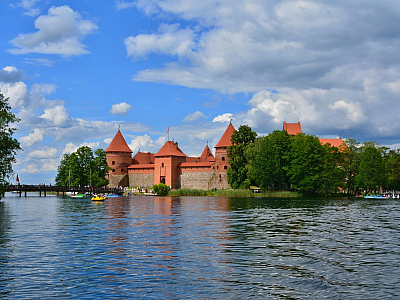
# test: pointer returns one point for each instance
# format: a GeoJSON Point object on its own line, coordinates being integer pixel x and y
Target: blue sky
{"type": "Point", "coordinates": [76, 70]}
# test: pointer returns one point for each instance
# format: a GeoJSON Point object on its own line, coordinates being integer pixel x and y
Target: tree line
{"type": "Point", "coordinates": [279, 161]}
{"type": "Point", "coordinates": [83, 168]}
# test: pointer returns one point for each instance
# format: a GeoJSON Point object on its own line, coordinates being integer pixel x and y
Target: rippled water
{"type": "Point", "coordinates": [199, 248]}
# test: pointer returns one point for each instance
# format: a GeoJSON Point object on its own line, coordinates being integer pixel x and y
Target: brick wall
{"type": "Point", "coordinates": [142, 180]}
{"type": "Point", "coordinates": [195, 180]}
{"type": "Point", "coordinates": [118, 180]}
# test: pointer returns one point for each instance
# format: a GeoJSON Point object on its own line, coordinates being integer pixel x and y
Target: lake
{"type": "Point", "coordinates": [199, 248]}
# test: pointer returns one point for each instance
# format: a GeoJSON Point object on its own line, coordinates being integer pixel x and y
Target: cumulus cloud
{"type": "Point", "coordinates": [35, 137]}
{"type": "Point", "coordinates": [120, 109]}
{"type": "Point", "coordinates": [10, 74]}
{"type": "Point", "coordinates": [144, 143]}
{"type": "Point", "coordinates": [47, 153]}
{"type": "Point", "coordinates": [194, 117]}
{"type": "Point", "coordinates": [59, 32]}
{"type": "Point", "coordinates": [58, 116]}
{"type": "Point", "coordinates": [224, 118]}
{"type": "Point", "coordinates": [71, 147]}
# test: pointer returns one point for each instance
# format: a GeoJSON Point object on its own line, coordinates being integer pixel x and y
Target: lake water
{"type": "Point", "coordinates": [199, 248]}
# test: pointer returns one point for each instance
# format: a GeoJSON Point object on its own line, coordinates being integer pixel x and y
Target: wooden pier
{"type": "Point", "coordinates": [44, 189]}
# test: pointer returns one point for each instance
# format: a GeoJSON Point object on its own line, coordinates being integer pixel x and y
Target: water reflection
{"type": "Point", "coordinates": [195, 247]}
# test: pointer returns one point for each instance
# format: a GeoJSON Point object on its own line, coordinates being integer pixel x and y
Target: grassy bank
{"type": "Point", "coordinates": [231, 193]}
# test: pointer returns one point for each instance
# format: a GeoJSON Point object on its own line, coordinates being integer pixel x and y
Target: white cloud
{"type": "Point", "coordinates": [144, 143]}
{"type": "Point", "coordinates": [194, 117]}
{"type": "Point", "coordinates": [71, 147]}
{"type": "Point", "coordinates": [170, 39]}
{"type": "Point", "coordinates": [48, 153]}
{"type": "Point", "coordinates": [120, 108]}
{"type": "Point", "coordinates": [58, 116]}
{"type": "Point", "coordinates": [33, 138]}
{"type": "Point", "coordinates": [223, 118]}
{"type": "Point", "coordinates": [59, 32]}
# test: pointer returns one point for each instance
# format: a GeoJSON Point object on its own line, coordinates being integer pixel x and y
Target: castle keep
{"type": "Point", "coordinates": [169, 165]}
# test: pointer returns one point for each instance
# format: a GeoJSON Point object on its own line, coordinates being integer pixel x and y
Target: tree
{"type": "Point", "coordinates": [351, 163]}
{"type": "Point", "coordinates": [393, 169]}
{"type": "Point", "coordinates": [268, 160]}
{"type": "Point", "coordinates": [161, 189]}
{"type": "Point", "coordinates": [372, 170]}
{"type": "Point", "coordinates": [237, 173]}
{"type": "Point", "coordinates": [82, 168]}
{"type": "Point", "coordinates": [9, 146]}
{"type": "Point", "coordinates": [332, 174]}
{"type": "Point", "coordinates": [307, 160]}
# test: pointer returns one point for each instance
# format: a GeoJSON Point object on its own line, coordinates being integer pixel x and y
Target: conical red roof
{"type": "Point", "coordinates": [207, 154]}
{"type": "Point", "coordinates": [225, 140]}
{"type": "Point", "coordinates": [170, 149]}
{"type": "Point", "coordinates": [118, 144]}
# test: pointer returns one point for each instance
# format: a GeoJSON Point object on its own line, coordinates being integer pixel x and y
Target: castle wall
{"type": "Point", "coordinates": [196, 180]}
{"type": "Point", "coordinates": [141, 180]}
{"type": "Point", "coordinates": [219, 180]}
{"type": "Point", "coordinates": [118, 180]}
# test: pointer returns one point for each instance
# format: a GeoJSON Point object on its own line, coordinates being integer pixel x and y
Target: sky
{"type": "Point", "coordinates": [77, 71]}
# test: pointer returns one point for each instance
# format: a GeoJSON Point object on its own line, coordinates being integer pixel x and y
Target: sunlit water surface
{"type": "Point", "coordinates": [199, 248]}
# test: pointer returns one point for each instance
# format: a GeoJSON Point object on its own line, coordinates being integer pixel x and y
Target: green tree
{"type": "Point", "coordinates": [372, 170]}
{"type": "Point", "coordinates": [332, 174]}
{"type": "Point", "coordinates": [268, 160]}
{"type": "Point", "coordinates": [307, 161]}
{"type": "Point", "coordinates": [161, 189]}
{"type": "Point", "coordinates": [393, 169]}
{"type": "Point", "coordinates": [237, 173]}
{"type": "Point", "coordinates": [9, 146]}
{"type": "Point", "coordinates": [82, 168]}
{"type": "Point", "coordinates": [351, 164]}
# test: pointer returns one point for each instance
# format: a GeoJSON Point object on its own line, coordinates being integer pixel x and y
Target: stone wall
{"type": "Point", "coordinates": [142, 180]}
{"type": "Point", "coordinates": [219, 180]}
{"type": "Point", "coordinates": [118, 180]}
{"type": "Point", "coordinates": [195, 180]}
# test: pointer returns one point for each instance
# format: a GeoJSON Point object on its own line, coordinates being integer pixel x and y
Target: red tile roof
{"type": "Point", "coordinates": [292, 128]}
{"type": "Point", "coordinates": [225, 140]}
{"type": "Point", "coordinates": [143, 158]}
{"type": "Point", "coordinates": [118, 144]}
{"type": "Point", "coordinates": [170, 149]}
{"type": "Point", "coordinates": [333, 142]}
{"type": "Point", "coordinates": [207, 154]}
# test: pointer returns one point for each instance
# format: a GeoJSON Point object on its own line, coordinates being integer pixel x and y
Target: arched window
{"type": "Point", "coordinates": [113, 163]}
{"type": "Point", "coordinates": [223, 158]}
{"type": "Point", "coordinates": [162, 165]}
{"type": "Point", "coordinates": [225, 167]}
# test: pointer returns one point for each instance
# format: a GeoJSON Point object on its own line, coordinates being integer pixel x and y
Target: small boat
{"type": "Point", "coordinates": [80, 196]}
{"type": "Point", "coordinates": [377, 197]}
{"type": "Point", "coordinates": [98, 198]}
{"type": "Point", "coordinates": [112, 195]}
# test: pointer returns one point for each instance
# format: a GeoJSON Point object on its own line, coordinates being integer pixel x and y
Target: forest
{"type": "Point", "coordinates": [279, 161]}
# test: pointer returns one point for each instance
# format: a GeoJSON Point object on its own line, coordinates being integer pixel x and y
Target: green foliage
{"type": "Point", "coordinates": [268, 160]}
{"type": "Point", "coordinates": [350, 164]}
{"type": "Point", "coordinates": [161, 189]}
{"type": "Point", "coordinates": [9, 146]}
{"type": "Point", "coordinates": [372, 169]}
{"type": "Point", "coordinates": [187, 192]}
{"type": "Point", "coordinates": [307, 160]}
{"type": "Point", "coordinates": [237, 173]}
{"type": "Point", "coordinates": [83, 168]}
{"type": "Point", "coordinates": [392, 160]}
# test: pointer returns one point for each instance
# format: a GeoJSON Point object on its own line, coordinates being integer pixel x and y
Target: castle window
{"type": "Point", "coordinates": [113, 170]}
{"type": "Point", "coordinates": [223, 158]}
{"type": "Point", "coordinates": [225, 167]}
{"type": "Point", "coordinates": [162, 165]}
{"type": "Point", "coordinates": [113, 163]}
{"type": "Point", "coordinates": [122, 170]}
{"type": "Point", "coordinates": [217, 167]}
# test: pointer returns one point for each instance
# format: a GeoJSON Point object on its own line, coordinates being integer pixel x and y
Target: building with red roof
{"type": "Point", "coordinates": [170, 165]}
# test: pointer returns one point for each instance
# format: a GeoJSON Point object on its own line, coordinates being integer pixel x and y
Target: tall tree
{"type": "Point", "coordinates": [237, 173]}
{"type": "Point", "coordinates": [307, 160]}
{"type": "Point", "coordinates": [82, 168]}
{"type": "Point", "coordinates": [9, 146]}
{"type": "Point", "coordinates": [268, 159]}
{"type": "Point", "coordinates": [351, 163]}
{"type": "Point", "coordinates": [392, 160]}
{"type": "Point", "coordinates": [332, 174]}
{"type": "Point", "coordinates": [372, 170]}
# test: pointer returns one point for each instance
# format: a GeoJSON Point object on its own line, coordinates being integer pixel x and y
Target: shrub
{"type": "Point", "coordinates": [161, 189]}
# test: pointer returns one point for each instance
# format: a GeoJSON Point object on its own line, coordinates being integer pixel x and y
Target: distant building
{"type": "Point", "coordinates": [169, 165]}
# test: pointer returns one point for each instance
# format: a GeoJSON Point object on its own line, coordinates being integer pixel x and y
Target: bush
{"type": "Point", "coordinates": [161, 189]}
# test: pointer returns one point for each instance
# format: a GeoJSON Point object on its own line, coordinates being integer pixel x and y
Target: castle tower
{"type": "Point", "coordinates": [221, 156]}
{"type": "Point", "coordinates": [119, 158]}
{"type": "Point", "coordinates": [166, 164]}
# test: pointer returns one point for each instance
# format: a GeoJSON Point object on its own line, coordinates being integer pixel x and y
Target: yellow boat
{"type": "Point", "coordinates": [98, 198]}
